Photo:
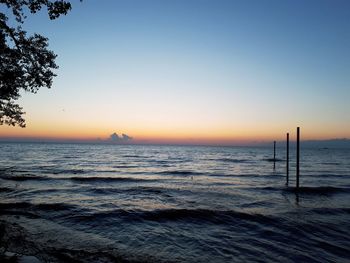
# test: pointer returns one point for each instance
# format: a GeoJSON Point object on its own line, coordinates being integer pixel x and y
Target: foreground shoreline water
{"type": "Point", "coordinates": [35, 239]}
{"type": "Point", "coordinates": [40, 240]}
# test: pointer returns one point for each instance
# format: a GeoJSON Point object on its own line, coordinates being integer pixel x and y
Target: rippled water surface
{"type": "Point", "coordinates": [184, 204]}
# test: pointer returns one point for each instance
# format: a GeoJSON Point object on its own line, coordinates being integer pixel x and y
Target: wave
{"type": "Point", "coordinates": [320, 190]}
{"type": "Point", "coordinates": [32, 210]}
{"type": "Point", "coordinates": [124, 166]}
{"type": "Point", "coordinates": [230, 160]}
{"type": "Point", "coordinates": [331, 163]}
{"type": "Point", "coordinates": [42, 169]}
{"type": "Point", "coordinates": [247, 175]}
{"type": "Point", "coordinates": [107, 171]}
{"type": "Point", "coordinates": [6, 190]}
{"type": "Point", "coordinates": [330, 211]}
{"type": "Point", "coordinates": [68, 171]}
{"type": "Point", "coordinates": [54, 207]}
{"type": "Point", "coordinates": [24, 177]}
{"type": "Point", "coordinates": [136, 190]}
{"type": "Point", "coordinates": [255, 204]}
{"type": "Point", "coordinates": [163, 163]}
{"type": "Point", "coordinates": [41, 206]}
{"type": "Point", "coordinates": [107, 179]}
{"type": "Point", "coordinates": [69, 157]}
{"type": "Point", "coordinates": [330, 175]}
{"type": "Point", "coordinates": [134, 156]}
{"type": "Point", "coordinates": [10, 169]}
{"type": "Point", "coordinates": [183, 173]}
{"type": "Point", "coordinates": [317, 190]}
{"type": "Point", "coordinates": [194, 215]}
{"type": "Point", "coordinates": [188, 215]}
{"type": "Point", "coordinates": [74, 178]}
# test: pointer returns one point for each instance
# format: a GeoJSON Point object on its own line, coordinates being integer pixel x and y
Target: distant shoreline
{"type": "Point", "coordinates": [323, 144]}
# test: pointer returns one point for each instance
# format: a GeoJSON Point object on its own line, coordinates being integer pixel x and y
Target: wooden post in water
{"type": "Point", "coordinates": [287, 160]}
{"type": "Point", "coordinates": [274, 155]}
{"type": "Point", "coordinates": [298, 157]}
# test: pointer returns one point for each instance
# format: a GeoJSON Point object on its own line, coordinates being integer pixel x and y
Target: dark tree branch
{"type": "Point", "coordinates": [27, 64]}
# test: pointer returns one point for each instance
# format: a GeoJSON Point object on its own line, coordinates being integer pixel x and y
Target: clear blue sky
{"type": "Point", "coordinates": [225, 70]}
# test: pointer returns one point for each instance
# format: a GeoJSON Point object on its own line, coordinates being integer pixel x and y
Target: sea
{"type": "Point", "coordinates": [143, 203]}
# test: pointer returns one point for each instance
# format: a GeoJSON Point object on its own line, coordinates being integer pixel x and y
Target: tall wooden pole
{"type": "Point", "coordinates": [274, 154]}
{"type": "Point", "coordinates": [298, 156]}
{"type": "Point", "coordinates": [287, 159]}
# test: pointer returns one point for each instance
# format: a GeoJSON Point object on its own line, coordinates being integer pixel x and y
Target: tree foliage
{"type": "Point", "coordinates": [26, 63]}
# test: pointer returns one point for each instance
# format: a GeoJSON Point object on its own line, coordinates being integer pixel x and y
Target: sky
{"type": "Point", "coordinates": [186, 71]}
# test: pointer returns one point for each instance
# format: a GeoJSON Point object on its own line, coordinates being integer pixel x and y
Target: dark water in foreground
{"type": "Point", "coordinates": [181, 204]}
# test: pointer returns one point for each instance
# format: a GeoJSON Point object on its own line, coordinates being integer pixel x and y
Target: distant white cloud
{"type": "Point", "coordinates": [114, 137]}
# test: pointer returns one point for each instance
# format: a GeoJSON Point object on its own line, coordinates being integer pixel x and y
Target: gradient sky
{"type": "Point", "coordinates": [194, 71]}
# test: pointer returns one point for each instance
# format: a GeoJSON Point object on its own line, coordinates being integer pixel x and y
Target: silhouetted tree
{"type": "Point", "coordinates": [26, 63]}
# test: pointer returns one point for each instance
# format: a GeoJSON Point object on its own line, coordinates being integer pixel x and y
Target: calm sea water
{"type": "Point", "coordinates": [180, 204]}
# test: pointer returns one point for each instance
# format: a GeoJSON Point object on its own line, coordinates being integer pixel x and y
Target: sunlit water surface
{"type": "Point", "coordinates": [185, 204]}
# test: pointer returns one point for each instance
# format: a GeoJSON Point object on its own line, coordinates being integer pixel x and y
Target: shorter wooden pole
{"type": "Point", "coordinates": [287, 159]}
